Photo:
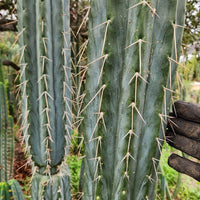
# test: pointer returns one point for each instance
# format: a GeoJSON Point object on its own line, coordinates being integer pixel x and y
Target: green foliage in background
{"type": "Point", "coordinates": [75, 163]}
{"type": "Point", "coordinates": [191, 70]}
{"type": "Point", "coordinates": [11, 190]}
{"type": "Point", "coordinates": [192, 30]}
{"type": "Point", "coordinates": [188, 189]}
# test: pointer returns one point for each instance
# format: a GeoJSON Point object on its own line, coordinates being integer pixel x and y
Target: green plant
{"type": "Point", "coordinates": [6, 139]}
{"type": "Point", "coordinates": [46, 94]}
{"type": "Point", "coordinates": [26, 188]}
{"type": "Point", "coordinates": [131, 69]}
{"type": "Point", "coordinates": [11, 190]}
{"type": "Point", "coordinates": [74, 163]}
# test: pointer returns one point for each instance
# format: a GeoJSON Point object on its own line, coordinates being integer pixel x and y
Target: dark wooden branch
{"type": "Point", "coordinates": [12, 64]}
{"type": "Point", "coordinates": [8, 25]}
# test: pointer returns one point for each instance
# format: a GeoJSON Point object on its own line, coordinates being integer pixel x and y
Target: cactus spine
{"type": "Point", "coordinates": [46, 93]}
{"type": "Point", "coordinates": [132, 56]}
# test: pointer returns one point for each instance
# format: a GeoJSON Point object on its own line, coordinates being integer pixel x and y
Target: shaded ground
{"type": "Point", "coordinates": [22, 170]}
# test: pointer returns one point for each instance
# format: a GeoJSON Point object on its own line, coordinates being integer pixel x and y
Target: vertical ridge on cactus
{"type": "Point", "coordinates": [162, 40]}
{"type": "Point", "coordinates": [97, 28]}
{"type": "Point", "coordinates": [178, 27]}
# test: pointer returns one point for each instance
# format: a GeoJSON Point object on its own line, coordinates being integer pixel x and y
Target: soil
{"type": "Point", "coordinates": [22, 170]}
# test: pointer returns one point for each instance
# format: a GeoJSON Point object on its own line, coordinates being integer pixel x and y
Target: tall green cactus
{"type": "Point", "coordinates": [46, 93]}
{"type": "Point", "coordinates": [132, 56]}
{"type": "Point", "coordinates": [6, 139]}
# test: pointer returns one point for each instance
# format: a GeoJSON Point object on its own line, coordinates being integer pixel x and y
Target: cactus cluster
{"type": "Point", "coordinates": [132, 54]}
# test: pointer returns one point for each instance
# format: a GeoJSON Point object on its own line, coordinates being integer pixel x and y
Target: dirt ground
{"type": "Point", "coordinates": [22, 170]}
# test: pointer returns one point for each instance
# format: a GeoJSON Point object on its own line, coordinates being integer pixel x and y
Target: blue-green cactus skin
{"type": "Point", "coordinates": [137, 43]}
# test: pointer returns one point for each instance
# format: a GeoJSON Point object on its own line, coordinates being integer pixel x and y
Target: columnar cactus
{"type": "Point", "coordinates": [11, 190]}
{"type": "Point", "coordinates": [46, 93]}
{"type": "Point", "coordinates": [132, 56]}
{"type": "Point", "coordinates": [6, 139]}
